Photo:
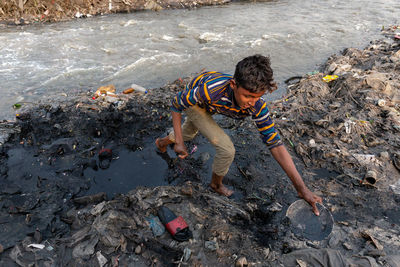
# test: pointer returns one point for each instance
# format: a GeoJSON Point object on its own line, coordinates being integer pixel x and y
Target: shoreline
{"type": "Point", "coordinates": [43, 11]}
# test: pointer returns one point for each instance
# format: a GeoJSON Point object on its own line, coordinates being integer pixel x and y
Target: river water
{"type": "Point", "coordinates": [152, 48]}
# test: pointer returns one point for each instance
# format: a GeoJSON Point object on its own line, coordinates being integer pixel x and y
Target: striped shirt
{"type": "Point", "coordinates": [211, 91]}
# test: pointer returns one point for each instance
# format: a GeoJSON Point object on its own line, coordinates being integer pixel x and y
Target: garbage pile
{"type": "Point", "coordinates": [344, 128]}
{"type": "Point", "coordinates": [126, 231]}
{"type": "Point", "coordinates": [347, 117]}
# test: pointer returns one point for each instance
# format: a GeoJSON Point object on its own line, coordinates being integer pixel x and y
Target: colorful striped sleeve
{"type": "Point", "coordinates": [188, 97]}
{"type": "Point", "coordinates": [202, 89]}
{"type": "Point", "coordinates": [265, 125]}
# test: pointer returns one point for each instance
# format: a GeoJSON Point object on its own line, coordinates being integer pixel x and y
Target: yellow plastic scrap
{"type": "Point", "coordinates": [104, 90]}
{"type": "Point", "coordinates": [329, 78]}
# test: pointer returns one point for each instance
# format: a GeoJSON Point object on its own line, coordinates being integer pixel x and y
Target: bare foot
{"type": "Point", "coordinates": [162, 149]}
{"type": "Point", "coordinates": [221, 189]}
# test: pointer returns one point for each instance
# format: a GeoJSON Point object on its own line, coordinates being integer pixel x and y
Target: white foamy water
{"type": "Point", "coordinates": [151, 48]}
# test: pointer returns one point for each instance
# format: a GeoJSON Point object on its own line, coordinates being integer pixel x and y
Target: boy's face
{"type": "Point", "coordinates": [245, 99]}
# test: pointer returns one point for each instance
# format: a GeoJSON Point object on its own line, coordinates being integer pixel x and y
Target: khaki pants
{"type": "Point", "coordinates": [199, 120]}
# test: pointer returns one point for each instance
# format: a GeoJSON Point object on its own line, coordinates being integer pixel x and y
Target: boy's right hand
{"type": "Point", "coordinates": [181, 150]}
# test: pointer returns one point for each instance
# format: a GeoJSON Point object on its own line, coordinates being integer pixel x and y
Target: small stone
{"type": "Point", "coordinates": [241, 262]}
{"type": "Point", "coordinates": [28, 218]}
{"type": "Point", "coordinates": [347, 246]}
{"type": "Point", "coordinates": [312, 143]}
{"type": "Point", "coordinates": [186, 254]}
{"type": "Point", "coordinates": [211, 245]}
{"type": "Point", "coordinates": [187, 190]}
{"type": "Point", "coordinates": [301, 263]}
{"type": "Point", "coordinates": [101, 259]}
{"type": "Point", "coordinates": [332, 67]}
{"type": "Point", "coordinates": [138, 249]}
{"type": "Point", "coordinates": [204, 157]}
{"type": "Point", "coordinates": [272, 256]}
{"type": "Point", "coordinates": [275, 207]}
{"type": "Point", "coordinates": [266, 252]}
{"type": "Point", "coordinates": [384, 155]}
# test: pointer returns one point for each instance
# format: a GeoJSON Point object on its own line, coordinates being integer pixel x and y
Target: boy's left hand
{"type": "Point", "coordinates": [311, 198]}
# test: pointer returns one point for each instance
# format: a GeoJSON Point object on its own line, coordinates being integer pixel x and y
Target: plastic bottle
{"type": "Point", "coordinates": [138, 88]}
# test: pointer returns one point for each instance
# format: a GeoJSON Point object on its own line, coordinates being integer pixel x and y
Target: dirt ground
{"type": "Point", "coordinates": [343, 135]}
{"type": "Point", "coordinates": [22, 12]}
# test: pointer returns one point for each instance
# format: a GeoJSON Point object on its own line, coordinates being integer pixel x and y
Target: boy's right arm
{"type": "Point", "coordinates": [196, 91]}
{"type": "Point", "coordinates": [179, 146]}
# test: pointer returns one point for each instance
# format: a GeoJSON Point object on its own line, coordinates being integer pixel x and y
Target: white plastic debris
{"type": "Point", "coordinates": [312, 143]}
{"type": "Point", "coordinates": [396, 187]}
{"type": "Point", "coordinates": [348, 125]}
{"type": "Point", "coordinates": [101, 259]}
{"type": "Point", "coordinates": [78, 15]}
{"type": "Point", "coordinates": [38, 246]}
{"type": "Point", "coordinates": [139, 88]}
{"type": "Point", "coordinates": [366, 159]}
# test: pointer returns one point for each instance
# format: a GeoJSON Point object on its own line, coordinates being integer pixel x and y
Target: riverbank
{"type": "Point", "coordinates": [24, 12]}
{"type": "Point", "coordinates": [340, 131]}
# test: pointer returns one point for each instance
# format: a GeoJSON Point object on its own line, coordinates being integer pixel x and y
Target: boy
{"type": "Point", "coordinates": [237, 97]}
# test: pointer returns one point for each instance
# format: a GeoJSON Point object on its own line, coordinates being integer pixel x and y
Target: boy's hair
{"type": "Point", "coordinates": [254, 74]}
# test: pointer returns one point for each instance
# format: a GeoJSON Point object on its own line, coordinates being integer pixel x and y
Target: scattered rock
{"type": "Point", "coordinates": [347, 246]}
{"type": "Point", "coordinates": [187, 252]}
{"type": "Point", "coordinates": [275, 207]}
{"type": "Point", "coordinates": [211, 245]}
{"type": "Point", "coordinates": [138, 249]}
{"type": "Point", "coordinates": [101, 259]}
{"type": "Point", "coordinates": [187, 190]}
{"type": "Point", "coordinates": [241, 262]}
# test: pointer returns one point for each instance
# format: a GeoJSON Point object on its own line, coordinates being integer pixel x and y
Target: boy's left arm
{"type": "Point", "coordinates": [282, 156]}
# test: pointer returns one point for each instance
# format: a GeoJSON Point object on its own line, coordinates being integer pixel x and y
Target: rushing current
{"type": "Point", "coordinates": [152, 48]}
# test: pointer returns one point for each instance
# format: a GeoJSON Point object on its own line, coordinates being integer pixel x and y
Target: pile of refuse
{"type": "Point", "coordinates": [342, 122]}
{"type": "Point", "coordinates": [126, 231]}
{"type": "Point", "coordinates": [347, 117]}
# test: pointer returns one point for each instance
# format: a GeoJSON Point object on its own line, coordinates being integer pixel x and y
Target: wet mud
{"type": "Point", "coordinates": [81, 180]}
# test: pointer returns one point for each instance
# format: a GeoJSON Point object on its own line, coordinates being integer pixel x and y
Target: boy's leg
{"type": "Point", "coordinates": [217, 186]}
{"type": "Point", "coordinates": [225, 151]}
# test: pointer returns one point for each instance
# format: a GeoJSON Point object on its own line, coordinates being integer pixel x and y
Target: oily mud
{"type": "Point", "coordinates": [81, 181]}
